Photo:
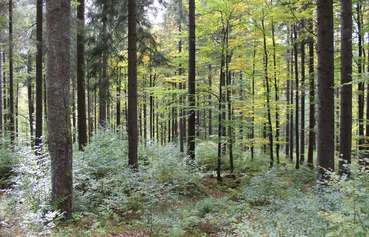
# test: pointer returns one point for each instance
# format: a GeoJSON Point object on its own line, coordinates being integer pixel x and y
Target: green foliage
{"type": "Point", "coordinates": [7, 162]}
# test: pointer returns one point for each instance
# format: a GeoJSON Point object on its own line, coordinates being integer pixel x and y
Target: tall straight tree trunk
{"type": "Point", "coordinates": [5, 95]}
{"type": "Point", "coordinates": [104, 81]}
{"type": "Point", "coordinates": [269, 116]}
{"type": "Point", "coordinates": [119, 94]}
{"type": "Point", "coordinates": [30, 97]}
{"type": "Point", "coordinates": [191, 80]}
{"type": "Point", "coordinates": [1, 94]}
{"type": "Point", "coordinates": [277, 127]}
{"type": "Point", "coordinates": [132, 85]}
{"type": "Point", "coordinates": [325, 142]}
{"type": "Point", "coordinates": [297, 109]}
{"type": "Point", "coordinates": [58, 76]}
{"type": "Point", "coordinates": [11, 86]}
{"type": "Point", "coordinates": [253, 102]}
{"type": "Point", "coordinates": [346, 89]}
{"type": "Point", "coordinates": [210, 128]}
{"type": "Point", "coordinates": [288, 85]}
{"type": "Point", "coordinates": [360, 84]}
{"type": "Point", "coordinates": [311, 145]}
{"type": "Point", "coordinates": [291, 56]}
{"type": "Point", "coordinates": [39, 81]}
{"type": "Point", "coordinates": [220, 117]}
{"type": "Point", "coordinates": [302, 130]}
{"type": "Point", "coordinates": [81, 92]}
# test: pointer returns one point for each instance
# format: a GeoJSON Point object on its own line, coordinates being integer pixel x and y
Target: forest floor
{"type": "Point", "coordinates": [214, 218]}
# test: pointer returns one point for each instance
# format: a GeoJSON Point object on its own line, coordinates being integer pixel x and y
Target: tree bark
{"type": "Point", "coordinates": [277, 127]}
{"type": "Point", "coordinates": [81, 92]}
{"type": "Point", "coordinates": [30, 97]}
{"type": "Point", "coordinates": [39, 81]}
{"type": "Point", "coordinates": [132, 85]}
{"type": "Point", "coordinates": [325, 142]}
{"type": "Point", "coordinates": [11, 86]}
{"type": "Point", "coordinates": [58, 77]}
{"type": "Point", "coordinates": [302, 121]}
{"type": "Point", "coordinates": [297, 109]}
{"type": "Point", "coordinates": [1, 94]}
{"type": "Point", "coordinates": [191, 80]}
{"type": "Point", "coordinates": [346, 86]}
{"type": "Point", "coordinates": [360, 84]}
{"type": "Point", "coordinates": [311, 145]}
{"type": "Point", "coordinates": [269, 116]}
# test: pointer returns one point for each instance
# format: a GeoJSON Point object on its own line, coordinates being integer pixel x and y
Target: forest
{"type": "Point", "coordinates": [181, 118]}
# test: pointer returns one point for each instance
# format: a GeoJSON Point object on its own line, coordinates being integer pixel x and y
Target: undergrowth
{"type": "Point", "coordinates": [171, 196]}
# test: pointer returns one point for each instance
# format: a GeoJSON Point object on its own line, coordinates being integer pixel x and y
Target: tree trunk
{"type": "Point", "coordinates": [253, 102]}
{"type": "Point", "coordinates": [277, 127]}
{"type": "Point", "coordinates": [210, 128]}
{"type": "Point", "coordinates": [30, 97]}
{"type": "Point", "coordinates": [296, 99]}
{"type": "Point", "coordinates": [325, 143]}
{"type": "Point", "coordinates": [302, 129]}
{"type": "Point", "coordinates": [1, 94]}
{"type": "Point", "coordinates": [269, 116]}
{"type": "Point", "coordinates": [81, 94]}
{"type": "Point", "coordinates": [360, 84]}
{"type": "Point", "coordinates": [58, 76]}
{"type": "Point", "coordinates": [132, 85]}
{"type": "Point", "coordinates": [11, 86]}
{"type": "Point", "coordinates": [39, 81]}
{"type": "Point", "coordinates": [346, 89]}
{"type": "Point", "coordinates": [311, 145]}
{"type": "Point", "coordinates": [191, 80]}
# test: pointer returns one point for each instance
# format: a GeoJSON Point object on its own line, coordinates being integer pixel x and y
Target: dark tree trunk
{"type": "Point", "coordinates": [5, 100]}
{"type": "Point", "coordinates": [39, 81]}
{"type": "Point", "coordinates": [252, 137]}
{"type": "Point", "coordinates": [297, 109]}
{"type": "Point", "coordinates": [210, 128]}
{"type": "Point", "coordinates": [104, 81]}
{"type": "Point", "coordinates": [30, 97]}
{"type": "Point", "coordinates": [119, 92]}
{"type": "Point", "coordinates": [277, 127]}
{"type": "Point", "coordinates": [132, 86]}
{"type": "Point", "coordinates": [325, 142]}
{"type": "Point", "coordinates": [81, 94]}
{"type": "Point", "coordinates": [58, 76]}
{"type": "Point", "coordinates": [302, 130]}
{"type": "Point", "coordinates": [11, 86]}
{"type": "Point", "coordinates": [360, 84]}
{"type": "Point", "coordinates": [291, 119]}
{"type": "Point", "coordinates": [288, 85]}
{"type": "Point", "coordinates": [346, 89]}
{"type": "Point", "coordinates": [269, 116]}
{"type": "Point", "coordinates": [311, 145]}
{"type": "Point", "coordinates": [1, 94]}
{"type": "Point", "coordinates": [191, 80]}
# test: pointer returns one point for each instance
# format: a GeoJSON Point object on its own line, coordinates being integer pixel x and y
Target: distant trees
{"type": "Point", "coordinates": [58, 79]}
